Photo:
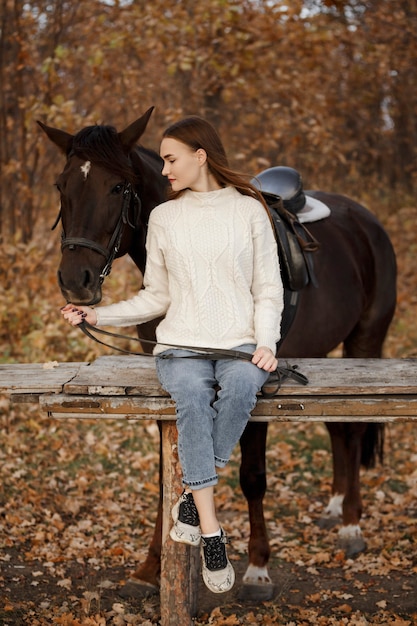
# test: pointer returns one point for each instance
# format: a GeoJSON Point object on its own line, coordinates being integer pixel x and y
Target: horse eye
{"type": "Point", "coordinates": [117, 189]}
{"type": "Point", "coordinates": [58, 187]}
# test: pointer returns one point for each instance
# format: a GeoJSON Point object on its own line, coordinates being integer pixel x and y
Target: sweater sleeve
{"type": "Point", "coordinates": [153, 300]}
{"type": "Point", "coordinates": [267, 288]}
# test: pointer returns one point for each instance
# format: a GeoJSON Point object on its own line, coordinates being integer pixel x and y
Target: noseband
{"type": "Point", "coordinates": [109, 253]}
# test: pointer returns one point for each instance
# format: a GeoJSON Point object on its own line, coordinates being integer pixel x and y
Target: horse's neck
{"type": "Point", "coordinates": [151, 191]}
{"type": "Point", "coordinates": [137, 251]}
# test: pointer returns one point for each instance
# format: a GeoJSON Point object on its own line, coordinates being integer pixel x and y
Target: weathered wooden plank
{"type": "Point", "coordinates": [136, 375]}
{"type": "Point", "coordinates": [362, 406]}
{"type": "Point", "coordinates": [109, 406]}
{"type": "Point", "coordinates": [36, 378]}
{"type": "Point", "coordinates": [354, 377]}
{"type": "Point", "coordinates": [117, 375]}
{"type": "Point", "coordinates": [285, 408]}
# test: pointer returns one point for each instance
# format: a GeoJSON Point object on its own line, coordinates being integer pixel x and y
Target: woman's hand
{"type": "Point", "coordinates": [75, 314]}
{"type": "Point", "coordinates": [265, 359]}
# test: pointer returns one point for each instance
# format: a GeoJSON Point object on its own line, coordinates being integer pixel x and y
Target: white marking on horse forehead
{"type": "Point", "coordinates": [85, 168]}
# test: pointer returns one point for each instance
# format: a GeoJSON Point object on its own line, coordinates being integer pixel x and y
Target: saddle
{"type": "Point", "coordinates": [282, 189]}
{"type": "Point", "coordinates": [295, 246]}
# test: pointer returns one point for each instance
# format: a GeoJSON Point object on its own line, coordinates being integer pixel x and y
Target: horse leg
{"type": "Point", "coordinates": [333, 513]}
{"type": "Point", "coordinates": [146, 579]}
{"type": "Point", "coordinates": [350, 534]}
{"type": "Point", "coordinates": [257, 584]}
{"type": "Point", "coordinates": [347, 440]}
{"type": "Point", "coordinates": [365, 443]}
{"type": "Point", "coordinates": [361, 442]}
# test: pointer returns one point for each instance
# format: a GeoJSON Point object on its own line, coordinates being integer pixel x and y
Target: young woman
{"type": "Point", "coordinates": [213, 271]}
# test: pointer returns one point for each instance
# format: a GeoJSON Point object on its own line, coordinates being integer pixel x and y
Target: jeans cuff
{"type": "Point", "coordinates": [220, 462]}
{"type": "Point", "coordinates": [200, 484]}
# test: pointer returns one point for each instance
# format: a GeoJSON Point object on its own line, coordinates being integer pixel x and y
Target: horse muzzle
{"type": "Point", "coordinates": [80, 286]}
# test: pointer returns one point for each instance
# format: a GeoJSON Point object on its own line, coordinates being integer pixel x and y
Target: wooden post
{"type": "Point", "coordinates": [180, 564]}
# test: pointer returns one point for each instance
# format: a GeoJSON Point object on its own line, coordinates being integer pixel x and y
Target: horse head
{"type": "Point", "coordinates": [107, 189]}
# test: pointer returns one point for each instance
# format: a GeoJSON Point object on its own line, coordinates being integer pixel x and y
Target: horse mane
{"type": "Point", "coordinates": [102, 146]}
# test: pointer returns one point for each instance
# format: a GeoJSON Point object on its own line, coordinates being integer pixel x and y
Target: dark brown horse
{"type": "Point", "coordinates": [108, 188]}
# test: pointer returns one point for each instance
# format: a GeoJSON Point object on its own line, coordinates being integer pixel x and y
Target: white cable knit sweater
{"type": "Point", "coordinates": [212, 269]}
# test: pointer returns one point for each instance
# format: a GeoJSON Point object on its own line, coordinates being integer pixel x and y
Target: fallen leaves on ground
{"type": "Point", "coordinates": [78, 504]}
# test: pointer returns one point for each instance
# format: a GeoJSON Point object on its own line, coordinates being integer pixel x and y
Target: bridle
{"type": "Point", "coordinates": [109, 253]}
{"type": "Point", "coordinates": [213, 354]}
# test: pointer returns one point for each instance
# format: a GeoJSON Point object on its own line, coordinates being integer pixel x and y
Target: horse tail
{"type": "Point", "coordinates": [373, 445]}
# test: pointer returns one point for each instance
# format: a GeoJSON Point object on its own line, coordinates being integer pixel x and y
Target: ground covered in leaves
{"type": "Point", "coordinates": [78, 505]}
{"type": "Point", "coordinates": [78, 498]}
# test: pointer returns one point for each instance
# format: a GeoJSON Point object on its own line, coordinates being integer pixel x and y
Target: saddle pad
{"type": "Point", "coordinates": [313, 210]}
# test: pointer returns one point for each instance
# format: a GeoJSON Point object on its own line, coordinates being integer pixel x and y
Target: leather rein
{"type": "Point", "coordinates": [213, 354]}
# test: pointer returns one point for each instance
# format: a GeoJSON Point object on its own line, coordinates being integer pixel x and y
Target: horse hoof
{"type": "Point", "coordinates": [257, 593]}
{"type": "Point", "coordinates": [352, 547]}
{"type": "Point", "coordinates": [327, 523]}
{"type": "Point", "coordinates": [137, 589]}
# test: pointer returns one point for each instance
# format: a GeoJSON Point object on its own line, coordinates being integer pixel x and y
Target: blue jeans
{"type": "Point", "coordinates": [209, 422]}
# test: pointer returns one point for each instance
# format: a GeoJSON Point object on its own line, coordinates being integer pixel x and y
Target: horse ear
{"type": "Point", "coordinates": [60, 138]}
{"type": "Point", "coordinates": [130, 135]}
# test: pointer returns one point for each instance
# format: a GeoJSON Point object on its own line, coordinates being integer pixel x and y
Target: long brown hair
{"type": "Point", "coordinates": [196, 132]}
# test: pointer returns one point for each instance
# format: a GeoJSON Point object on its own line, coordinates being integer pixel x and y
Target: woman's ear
{"type": "Point", "coordinates": [201, 156]}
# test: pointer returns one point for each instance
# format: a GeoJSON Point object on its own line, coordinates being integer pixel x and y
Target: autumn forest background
{"type": "Point", "coordinates": [328, 87]}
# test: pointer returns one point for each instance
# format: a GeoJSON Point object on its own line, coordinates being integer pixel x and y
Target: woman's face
{"type": "Point", "coordinates": [183, 166]}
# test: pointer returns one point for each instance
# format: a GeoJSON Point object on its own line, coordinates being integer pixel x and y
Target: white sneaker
{"type": "Point", "coordinates": [186, 528]}
{"type": "Point", "coordinates": [218, 573]}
